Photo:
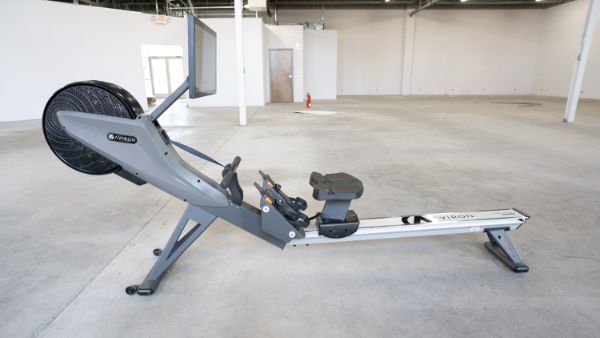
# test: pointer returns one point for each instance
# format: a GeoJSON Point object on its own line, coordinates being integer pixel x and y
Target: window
{"type": "Point", "coordinates": [163, 69]}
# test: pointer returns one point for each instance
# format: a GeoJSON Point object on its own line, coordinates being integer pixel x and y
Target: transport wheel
{"type": "Point", "coordinates": [156, 252]}
{"type": "Point", "coordinates": [131, 290]}
{"type": "Point", "coordinates": [94, 97]}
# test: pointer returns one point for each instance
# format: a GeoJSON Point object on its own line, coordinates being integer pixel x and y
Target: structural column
{"type": "Point", "coordinates": [582, 57]}
{"type": "Point", "coordinates": [409, 52]}
{"type": "Point", "coordinates": [239, 48]}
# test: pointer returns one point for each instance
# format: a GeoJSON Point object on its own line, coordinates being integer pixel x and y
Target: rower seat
{"type": "Point", "coordinates": [337, 186]}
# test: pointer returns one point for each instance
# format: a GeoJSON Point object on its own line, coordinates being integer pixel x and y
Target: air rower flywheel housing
{"type": "Point", "coordinates": [94, 97]}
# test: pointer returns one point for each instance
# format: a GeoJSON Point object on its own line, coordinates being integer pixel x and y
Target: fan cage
{"type": "Point", "coordinates": [94, 97]}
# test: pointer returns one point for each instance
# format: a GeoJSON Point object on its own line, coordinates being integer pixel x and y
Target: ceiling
{"type": "Point", "coordinates": [178, 7]}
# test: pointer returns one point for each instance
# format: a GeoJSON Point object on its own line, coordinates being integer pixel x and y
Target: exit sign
{"type": "Point", "coordinates": [162, 19]}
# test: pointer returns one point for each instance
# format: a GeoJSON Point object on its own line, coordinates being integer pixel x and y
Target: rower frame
{"type": "Point", "coordinates": [153, 159]}
{"type": "Point", "coordinates": [425, 225]}
{"type": "Point", "coordinates": [494, 223]}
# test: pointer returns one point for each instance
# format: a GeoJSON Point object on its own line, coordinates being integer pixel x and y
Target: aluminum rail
{"type": "Point", "coordinates": [425, 225]}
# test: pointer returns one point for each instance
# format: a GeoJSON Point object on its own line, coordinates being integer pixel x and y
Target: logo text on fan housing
{"type": "Point", "coordinates": [121, 138]}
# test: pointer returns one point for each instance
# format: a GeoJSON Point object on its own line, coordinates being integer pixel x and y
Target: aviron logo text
{"type": "Point", "coordinates": [121, 138]}
{"type": "Point", "coordinates": [455, 217]}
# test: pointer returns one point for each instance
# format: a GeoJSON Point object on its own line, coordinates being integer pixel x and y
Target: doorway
{"type": "Point", "coordinates": [281, 69]}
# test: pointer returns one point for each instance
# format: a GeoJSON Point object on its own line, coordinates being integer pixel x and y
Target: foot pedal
{"type": "Point", "coordinates": [338, 229]}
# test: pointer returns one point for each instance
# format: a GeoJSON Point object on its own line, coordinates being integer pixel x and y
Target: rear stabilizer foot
{"type": "Point", "coordinates": [148, 286]}
{"type": "Point", "coordinates": [501, 246]}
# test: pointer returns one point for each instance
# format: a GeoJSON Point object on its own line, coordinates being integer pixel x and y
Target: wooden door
{"type": "Point", "coordinates": [281, 68]}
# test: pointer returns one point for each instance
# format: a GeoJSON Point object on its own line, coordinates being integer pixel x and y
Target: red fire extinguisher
{"type": "Point", "coordinates": [308, 100]}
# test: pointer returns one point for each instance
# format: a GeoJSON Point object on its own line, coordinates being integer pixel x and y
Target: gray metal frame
{"type": "Point", "coordinates": [168, 102]}
{"type": "Point", "coordinates": [175, 247]}
{"type": "Point", "coordinates": [153, 159]}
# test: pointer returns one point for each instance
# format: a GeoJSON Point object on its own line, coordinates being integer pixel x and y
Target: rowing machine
{"type": "Point", "coordinates": [99, 128]}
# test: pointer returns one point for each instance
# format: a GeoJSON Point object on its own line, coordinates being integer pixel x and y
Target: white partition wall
{"type": "Point", "coordinates": [369, 48]}
{"type": "Point", "coordinates": [320, 64]}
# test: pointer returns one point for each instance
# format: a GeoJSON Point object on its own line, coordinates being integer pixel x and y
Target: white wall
{"type": "Point", "coordinates": [266, 80]}
{"type": "Point", "coordinates": [370, 47]}
{"type": "Point", "coordinates": [55, 44]}
{"type": "Point", "coordinates": [471, 52]}
{"type": "Point", "coordinates": [562, 27]}
{"type": "Point", "coordinates": [455, 51]}
{"type": "Point", "coordinates": [58, 43]}
{"type": "Point", "coordinates": [320, 64]}
{"type": "Point", "coordinates": [227, 88]}
{"type": "Point", "coordinates": [288, 36]}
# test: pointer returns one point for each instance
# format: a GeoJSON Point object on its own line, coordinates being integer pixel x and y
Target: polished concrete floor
{"type": "Point", "coordinates": [71, 243]}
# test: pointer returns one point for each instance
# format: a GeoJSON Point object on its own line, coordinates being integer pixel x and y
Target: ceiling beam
{"type": "Point", "coordinates": [420, 8]}
{"type": "Point", "coordinates": [149, 6]}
